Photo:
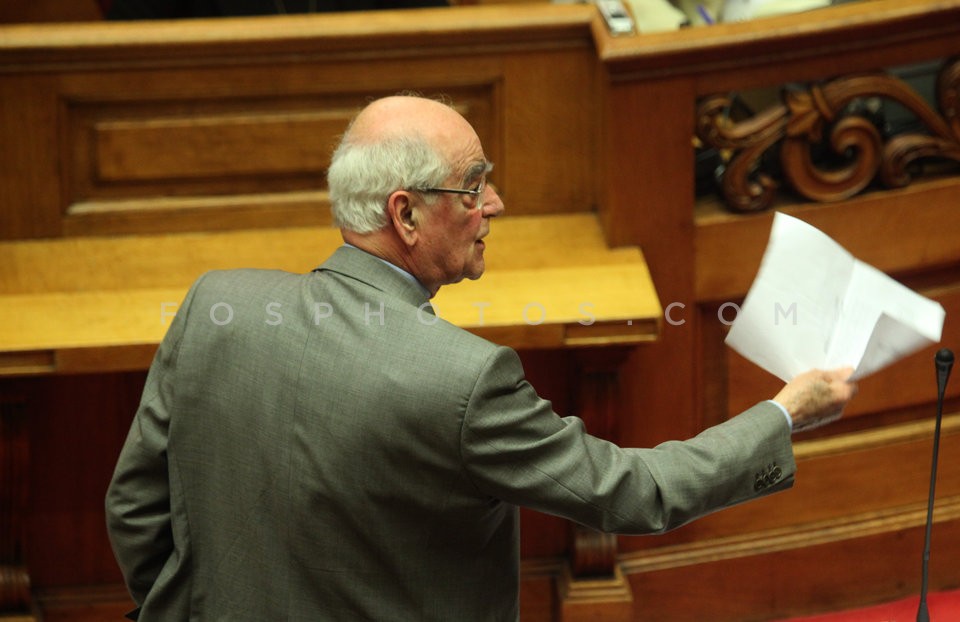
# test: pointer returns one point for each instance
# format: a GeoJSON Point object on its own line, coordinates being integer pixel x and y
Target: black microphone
{"type": "Point", "coordinates": [944, 363]}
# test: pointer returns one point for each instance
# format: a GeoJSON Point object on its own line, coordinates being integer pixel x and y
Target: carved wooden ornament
{"type": "Point", "coordinates": [814, 118]}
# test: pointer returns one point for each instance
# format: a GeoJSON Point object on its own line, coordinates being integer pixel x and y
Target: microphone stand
{"type": "Point", "coordinates": [943, 362]}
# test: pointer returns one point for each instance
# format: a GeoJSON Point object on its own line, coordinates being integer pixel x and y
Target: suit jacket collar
{"type": "Point", "coordinates": [362, 266]}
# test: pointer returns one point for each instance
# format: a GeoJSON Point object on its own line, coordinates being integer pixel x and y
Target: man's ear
{"type": "Point", "coordinates": [404, 216]}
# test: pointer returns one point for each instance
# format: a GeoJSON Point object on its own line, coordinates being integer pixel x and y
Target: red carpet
{"type": "Point", "coordinates": [943, 607]}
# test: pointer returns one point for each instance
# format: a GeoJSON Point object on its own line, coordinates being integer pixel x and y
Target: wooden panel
{"type": "Point", "coordinates": [68, 478]}
{"type": "Point", "coordinates": [859, 474]}
{"type": "Point", "coordinates": [794, 531]}
{"type": "Point", "coordinates": [860, 499]}
{"type": "Point", "coordinates": [224, 124]}
{"type": "Point", "coordinates": [196, 146]}
{"type": "Point", "coordinates": [647, 195]}
{"type": "Point", "coordinates": [899, 231]}
{"type": "Point", "coordinates": [29, 161]}
{"type": "Point", "coordinates": [550, 133]}
{"type": "Point", "coordinates": [184, 162]}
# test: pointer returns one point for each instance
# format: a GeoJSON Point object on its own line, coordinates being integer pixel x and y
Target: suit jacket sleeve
{"type": "Point", "coordinates": [517, 449]}
{"type": "Point", "coordinates": [138, 498]}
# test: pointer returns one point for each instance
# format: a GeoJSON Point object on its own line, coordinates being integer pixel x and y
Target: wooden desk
{"type": "Point", "coordinates": [88, 305]}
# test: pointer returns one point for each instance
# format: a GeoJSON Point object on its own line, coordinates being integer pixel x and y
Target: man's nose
{"type": "Point", "coordinates": [493, 206]}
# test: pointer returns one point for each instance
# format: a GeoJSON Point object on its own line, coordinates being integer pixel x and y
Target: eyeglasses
{"type": "Point", "coordinates": [476, 193]}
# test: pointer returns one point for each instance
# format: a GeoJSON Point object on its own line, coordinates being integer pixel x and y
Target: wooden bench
{"type": "Point", "coordinates": [104, 303]}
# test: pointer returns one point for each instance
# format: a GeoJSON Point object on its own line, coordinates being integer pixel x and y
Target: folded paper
{"type": "Point", "coordinates": [814, 305]}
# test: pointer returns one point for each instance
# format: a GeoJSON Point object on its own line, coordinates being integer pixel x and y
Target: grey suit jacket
{"type": "Point", "coordinates": [321, 447]}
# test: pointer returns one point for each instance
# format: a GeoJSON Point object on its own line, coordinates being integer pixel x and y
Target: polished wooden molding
{"type": "Point", "coordinates": [398, 33]}
{"type": "Point", "coordinates": [594, 554]}
{"type": "Point", "coordinates": [718, 51]}
{"type": "Point", "coordinates": [599, 598]}
{"type": "Point", "coordinates": [875, 438]}
{"type": "Point", "coordinates": [783, 539]}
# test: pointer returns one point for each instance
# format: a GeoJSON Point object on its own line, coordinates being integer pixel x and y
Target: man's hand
{"type": "Point", "coordinates": [817, 397]}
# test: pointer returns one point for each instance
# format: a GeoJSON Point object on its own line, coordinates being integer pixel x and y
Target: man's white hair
{"type": "Point", "coordinates": [362, 175]}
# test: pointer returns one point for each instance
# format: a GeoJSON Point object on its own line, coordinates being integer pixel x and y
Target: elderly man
{"type": "Point", "coordinates": [360, 463]}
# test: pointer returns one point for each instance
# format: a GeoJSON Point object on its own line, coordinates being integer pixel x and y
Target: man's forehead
{"type": "Point", "coordinates": [463, 151]}
{"type": "Point", "coordinates": [405, 113]}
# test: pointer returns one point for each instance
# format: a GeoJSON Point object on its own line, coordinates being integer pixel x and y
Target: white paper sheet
{"type": "Point", "coordinates": [739, 10]}
{"type": "Point", "coordinates": [656, 15]}
{"type": "Point", "coordinates": [813, 304]}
